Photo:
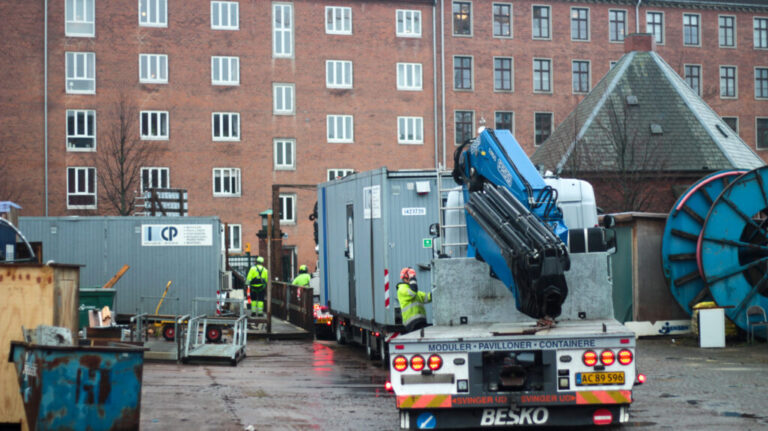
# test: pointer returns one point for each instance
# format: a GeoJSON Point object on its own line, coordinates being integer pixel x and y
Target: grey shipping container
{"type": "Point", "coordinates": [370, 225]}
{"type": "Point", "coordinates": [185, 250]}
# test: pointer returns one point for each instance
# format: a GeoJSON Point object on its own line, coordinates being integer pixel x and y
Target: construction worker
{"type": "Point", "coordinates": [303, 278]}
{"type": "Point", "coordinates": [257, 280]}
{"type": "Point", "coordinates": [412, 301]}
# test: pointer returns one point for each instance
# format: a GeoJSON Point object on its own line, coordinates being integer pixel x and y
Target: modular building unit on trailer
{"type": "Point", "coordinates": [370, 225]}
{"type": "Point", "coordinates": [185, 250]}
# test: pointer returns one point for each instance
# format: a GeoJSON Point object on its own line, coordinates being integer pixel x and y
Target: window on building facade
{"type": "Point", "coordinates": [154, 125]}
{"type": "Point", "coordinates": [225, 15]}
{"type": "Point", "coordinates": [617, 25]}
{"type": "Point", "coordinates": [409, 76]}
{"type": "Point", "coordinates": [225, 70]}
{"type": "Point", "coordinates": [502, 20]}
{"type": "Point", "coordinates": [408, 23]}
{"type": "Point", "coordinates": [235, 237]}
{"type": "Point", "coordinates": [502, 74]}
{"type": "Point", "coordinates": [727, 31]}
{"type": "Point", "coordinates": [338, 74]}
{"type": "Point", "coordinates": [285, 154]}
{"type": "Point", "coordinates": [81, 72]}
{"type": "Point", "coordinates": [541, 22]}
{"type": "Point", "coordinates": [733, 123]}
{"type": "Point", "coordinates": [691, 29]}
{"type": "Point", "coordinates": [79, 21]}
{"type": "Point", "coordinates": [693, 77]}
{"type": "Point", "coordinates": [81, 188]}
{"type": "Point", "coordinates": [284, 99]}
{"type": "Point", "coordinates": [761, 32]}
{"type": "Point", "coordinates": [462, 18]}
{"type": "Point", "coordinates": [81, 130]}
{"type": "Point", "coordinates": [542, 126]}
{"type": "Point", "coordinates": [225, 126]}
{"type": "Point", "coordinates": [761, 83]}
{"type": "Point", "coordinates": [337, 173]}
{"type": "Point", "coordinates": [155, 178]}
{"type": "Point", "coordinates": [505, 120]}
{"type": "Point", "coordinates": [338, 20]}
{"type": "Point", "coordinates": [226, 182]}
{"type": "Point", "coordinates": [153, 68]}
{"type": "Point", "coordinates": [579, 23]}
{"type": "Point", "coordinates": [462, 73]}
{"type": "Point", "coordinates": [761, 128]}
{"type": "Point", "coordinates": [654, 24]}
{"type": "Point", "coordinates": [580, 73]}
{"type": "Point", "coordinates": [410, 130]}
{"type": "Point", "coordinates": [287, 208]}
{"type": "Point", "coordinates": [464, 122]}
{"type": "Point", "coordinates": [728, 81]}
{"type": "Point", "coordinates": [282, 30]}
{"type": "Point", "coordinates": [542, 76]}
{"type": "Point", "coordinates": [340, 128]}
{"type": "Point", "coordinates": [153, 13]}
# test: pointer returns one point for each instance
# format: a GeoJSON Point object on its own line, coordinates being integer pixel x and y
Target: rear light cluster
{"type": "Point", "coordinates": [607, 357]}
{"type": "Point", "coordinates": [417, 362]}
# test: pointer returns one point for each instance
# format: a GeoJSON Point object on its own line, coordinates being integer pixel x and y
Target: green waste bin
{"type": "Point", "coordinates": [94, 298]}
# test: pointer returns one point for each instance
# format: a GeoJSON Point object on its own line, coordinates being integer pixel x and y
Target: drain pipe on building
{"type": "Point", "coordinates": [434, 83]}
{"type": "Point", "coordinates": [45, 101]}
{"type": "Point", "coordinates": [637, 16]}
{"type": "Point", "coordinates": [442, 68]}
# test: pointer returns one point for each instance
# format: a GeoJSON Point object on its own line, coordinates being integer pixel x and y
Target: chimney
{"type": "Point", "coordinates": [639, 42]}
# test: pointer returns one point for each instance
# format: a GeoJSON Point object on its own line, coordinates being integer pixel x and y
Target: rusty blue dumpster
{"type": "Point", "coordinates": [73, 387]}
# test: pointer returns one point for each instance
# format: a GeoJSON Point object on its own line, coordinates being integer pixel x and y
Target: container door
{"type": "Point", "coordinates": [350, 254]}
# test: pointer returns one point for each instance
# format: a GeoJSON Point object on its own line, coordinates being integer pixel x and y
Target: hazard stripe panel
{"type": "Point", "coordinates": [604, 397]}
{"type": "Point", "coordinates": [423, 401]}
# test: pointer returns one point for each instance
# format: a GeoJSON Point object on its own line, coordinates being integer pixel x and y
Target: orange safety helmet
{"type": "Point", "coordinates": [407, 273]}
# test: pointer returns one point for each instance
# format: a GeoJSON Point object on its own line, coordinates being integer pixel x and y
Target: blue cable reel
{"type": "Point", "coordinates": [681, 234]}
{"type": "Point", "coordinates": [733, 247]}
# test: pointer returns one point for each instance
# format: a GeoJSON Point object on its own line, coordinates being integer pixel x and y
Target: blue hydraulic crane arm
{"type": "Point", "coordinates": [513, 222]}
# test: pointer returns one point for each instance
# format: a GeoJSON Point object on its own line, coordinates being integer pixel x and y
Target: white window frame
{"type": "Point", "coordinates": [624, 36]}
{"type": "Point", "coordinates": [235, 235]}
{"type": "Point", "coordinates": [698, 29]}
{"type": "Point", "coordinates": [231, 174]}
{"type": "Point", "coordinates": [511, 20]}
{"type": "Point", "coordinates": [225, 118]}
{"type": "Point", "coordinates": [151, 14]}
{"type": "Point", "coordinates": [86, 75]}
{"type": "Point", "coordinates": [229, 6]}
{"type": "Point", "coordinates": [160, 63]}
{"type": "Point", "coordinates": [338, 173]}
{"type": "Point", "coordinates": [549, 74]}
{"type": "Point", "coordinates": [283, 98]}
{"type": "Point", "coordinates": [754, 74]}
{"type": "Point", "coordinates": [662, 32]}
{"type": "Point", "coordinates": [512, 130]}
{"type": "Point", "coordinates": [685, 77]}
{"type": "Point", "coordinates": [734, 29]}
{"type": "Point", "coordinates": [285, 200]}
{"type": "Point", "coordinates": [549, 22]}
{"type": "Point", "coordinates": [589, 76]}
{"type": "Point", "coordinates": [414, 125]}
{"type": "Point", "coordinates": [551, 126]}
{"type": "Point", "coordinates": [735, 81]}
{"type": "Point", "coordinates": [409, 73]}
{"type": "Point", "coordinates": [472, 130]}
{"type": "Point", "coordinates": [471, 19]}
{"type": "Point", "coordinates": [155, 171]}
{"type": "Point", "coordinates": [89, 172]}
{"type": "Point", "coordinates": [405, 16]}
{"type": "Point", "coordinates": [333, 122]}
{"type": "Point", "coordinates": [78, 133]}
{"type": "Point", "coordinates": [155, 117]}
{"type": "Point", "coordinates": [233, 70]}
{"type": "Point", "coordinates": [338, 13]}
{"type": "Point", "coordinates": [764, 43]}
{"type": "Point", "coordinates": [76, 22]}
{"type": "Point", "coordinates": [336, 74]}
{"type": "Point", "coordinates": [278, 145]}
{"type": "Point", "coordinates": [471, 73]}
{"type": "Point", "coordinates": [282, 31]}
{"type": "Point", "coordinates": [511, 75]}
{"type": "Point", "coordinates": [589, 24]}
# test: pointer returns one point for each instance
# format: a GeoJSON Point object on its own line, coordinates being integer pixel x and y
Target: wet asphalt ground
{"type": "Point", "coordinates": [300, 385]}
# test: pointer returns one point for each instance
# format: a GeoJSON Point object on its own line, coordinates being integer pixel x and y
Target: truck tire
{"type": "Point", "coordinates": [340, 336]}
{"type": "Point", "coordinates": [169, 332]}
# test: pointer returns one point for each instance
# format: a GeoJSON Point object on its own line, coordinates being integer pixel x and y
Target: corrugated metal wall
{"type": "Point", "coordinates": [105, 244]}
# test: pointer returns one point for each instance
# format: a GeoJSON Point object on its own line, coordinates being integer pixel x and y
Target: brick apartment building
{"type": "Point", "coordinates": [234, 96]}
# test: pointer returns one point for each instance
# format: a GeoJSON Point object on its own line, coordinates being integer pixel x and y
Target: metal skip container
{"type": "Point", "coordinates": [71, 387]}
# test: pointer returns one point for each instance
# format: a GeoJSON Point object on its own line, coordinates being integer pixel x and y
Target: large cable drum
{"type": "Point", "coordinates": [732, 250]}
{"type": "Point", "coordinates": [681, 235]}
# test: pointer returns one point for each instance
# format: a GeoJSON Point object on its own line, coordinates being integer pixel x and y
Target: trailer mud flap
{"type": "Point", "coordinates": [504, 417]}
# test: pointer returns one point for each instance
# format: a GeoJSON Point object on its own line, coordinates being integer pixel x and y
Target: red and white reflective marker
{"type": "Point", "coordinates": [602, 417]}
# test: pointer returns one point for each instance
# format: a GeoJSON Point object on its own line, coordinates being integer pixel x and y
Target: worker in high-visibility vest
{"type": "Point", "coordinates": [301, 280]}
{"type": "Point", "coordinates": [412, 301]}
{"type": "Point", "coordinates": [257, 280]}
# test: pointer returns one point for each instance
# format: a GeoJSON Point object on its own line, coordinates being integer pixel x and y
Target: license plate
{"type": "Point", "coordinates": [585, 379]}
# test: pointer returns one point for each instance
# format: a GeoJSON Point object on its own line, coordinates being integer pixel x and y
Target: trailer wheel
{"type": "Point", "coordinates": [340, 338]}
{"type": "Point", "coordinates": [169, 332]}
{"type": "Point", "coordinates": [213, 334]}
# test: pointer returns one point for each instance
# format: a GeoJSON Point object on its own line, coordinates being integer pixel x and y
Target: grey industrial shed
{"type": "Point", "coordinates": [189, 251]}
